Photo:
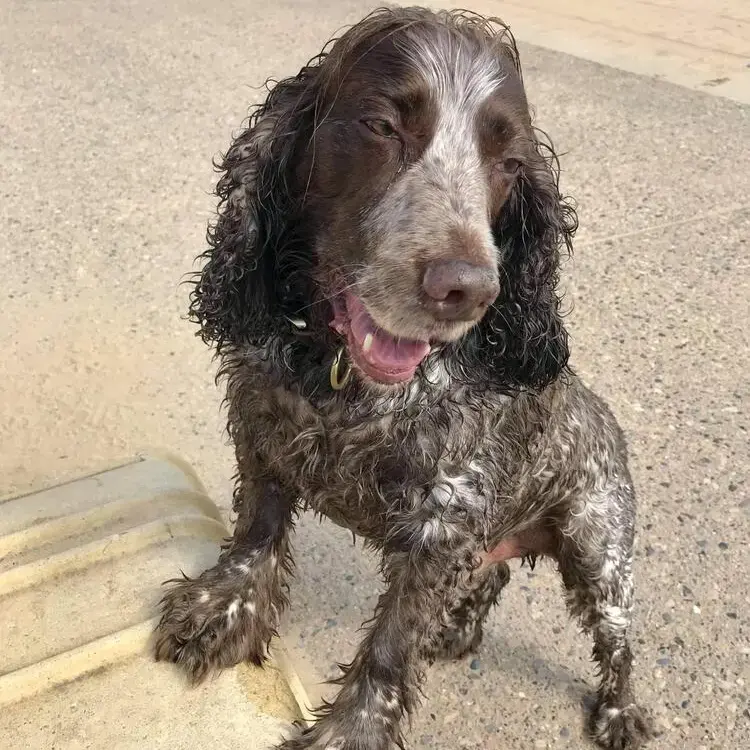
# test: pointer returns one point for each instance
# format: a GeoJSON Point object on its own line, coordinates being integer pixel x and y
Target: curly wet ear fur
{"type": "Point", "coordinates": [521, 341]}
{"type": "Point", "coordinates": [238, 297]}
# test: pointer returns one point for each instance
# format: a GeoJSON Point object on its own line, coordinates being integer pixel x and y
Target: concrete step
{"type": "Point", "coordinates": [81, 567]}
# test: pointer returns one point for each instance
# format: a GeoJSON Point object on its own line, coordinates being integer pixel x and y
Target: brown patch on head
{"type": "Point", "coordinates": [375, 118]}
{"type": "Point", "coordinates": [505, 139]}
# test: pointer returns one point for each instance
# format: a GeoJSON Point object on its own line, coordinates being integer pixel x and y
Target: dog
{"type": "Point", "coordinates": [381, 291]}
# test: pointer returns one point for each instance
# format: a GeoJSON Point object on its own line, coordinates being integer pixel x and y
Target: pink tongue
{"type": "Point", "coordinates": [385, 352]}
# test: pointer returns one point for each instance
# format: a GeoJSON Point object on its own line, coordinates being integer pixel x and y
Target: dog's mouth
{"type": "Point", "coordinates": [380, 355]}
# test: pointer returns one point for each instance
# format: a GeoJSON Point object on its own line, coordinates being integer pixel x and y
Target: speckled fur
{"type": "Point", "coordinates": [493, 450]}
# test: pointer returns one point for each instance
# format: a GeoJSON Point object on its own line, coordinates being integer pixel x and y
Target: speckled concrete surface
{"type": "Point", "coordinates": [701, 44]}
{"type": "Point", "coordinates": [110, 114]}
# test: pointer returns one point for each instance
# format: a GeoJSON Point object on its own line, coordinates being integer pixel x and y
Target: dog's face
{"type": "Point", "coordinates": [417, 150]}
{"type": "Point", "coordinates": [395, 192]}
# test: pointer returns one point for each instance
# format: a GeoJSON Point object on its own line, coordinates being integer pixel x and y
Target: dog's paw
{"type": "Point", "coordinates": [311, 739]}
{"type": "Point", "coordinates": [625, 728]}
{"type": "Point", "coordinates": [204, 630]}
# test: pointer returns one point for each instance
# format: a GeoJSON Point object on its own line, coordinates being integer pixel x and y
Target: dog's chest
{"type": "Point", "coordinates": [397, 492]}
{"type": "Point", "coordinates": [416, 477]}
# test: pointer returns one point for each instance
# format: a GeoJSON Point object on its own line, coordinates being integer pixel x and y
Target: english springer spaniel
{"type": "Point", "coordinates": [380, 287]}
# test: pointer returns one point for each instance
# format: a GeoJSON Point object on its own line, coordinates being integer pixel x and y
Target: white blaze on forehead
{"type": "Point", "coordinates": [462, 77]}
{"type": "Point", "coordinates": [460, 80]}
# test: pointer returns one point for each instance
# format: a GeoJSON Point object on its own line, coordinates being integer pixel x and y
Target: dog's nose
{"type": "Point", "coordinates": [458, 290]}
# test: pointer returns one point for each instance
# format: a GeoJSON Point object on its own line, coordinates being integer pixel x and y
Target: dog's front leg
{"type": "Point", "coordinates": [381, 684]}
{"type": "Point", "coordinates": [229, 613]}
{"type": "Point", "coordinates": [596, 560]}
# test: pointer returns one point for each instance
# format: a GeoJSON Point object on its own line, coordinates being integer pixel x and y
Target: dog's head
{"type": "Point", "coordinates": [394, 195]}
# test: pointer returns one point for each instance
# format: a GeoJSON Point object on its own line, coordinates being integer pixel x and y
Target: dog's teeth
{"type": "Point", "coordinates": [367, 343]}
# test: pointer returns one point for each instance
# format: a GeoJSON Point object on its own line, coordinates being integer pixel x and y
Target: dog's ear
{"type": "Point", "coordinates": [521, 341]}
{"type": "Point", "coordinates": [239, 295]}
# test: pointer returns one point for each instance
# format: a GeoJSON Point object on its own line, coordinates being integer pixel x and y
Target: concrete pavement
{"type": "Point", "coordinates": [698, 44]}
{"type": "Point", "coordinates": [110, 114]}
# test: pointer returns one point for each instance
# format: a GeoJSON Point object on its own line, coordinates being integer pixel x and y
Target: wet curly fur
{"type": "Point", "coordinates": [493, 450]}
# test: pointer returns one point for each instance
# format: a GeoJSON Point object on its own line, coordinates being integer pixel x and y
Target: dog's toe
{"type": "Point", "coordinates": [625, 728]}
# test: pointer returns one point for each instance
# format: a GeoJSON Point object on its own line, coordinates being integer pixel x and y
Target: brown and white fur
{"type": "Point", "coordinates": [380, 289]}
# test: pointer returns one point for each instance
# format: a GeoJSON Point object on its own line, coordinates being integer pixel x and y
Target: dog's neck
{"type": "Point", "coordinates": [305, 357]}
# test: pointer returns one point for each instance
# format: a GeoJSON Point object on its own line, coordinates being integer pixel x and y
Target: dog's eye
{"type": "Point", "coordinates": [510, 166]}
{"type": "Point", "coordinates": [382, 128]}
